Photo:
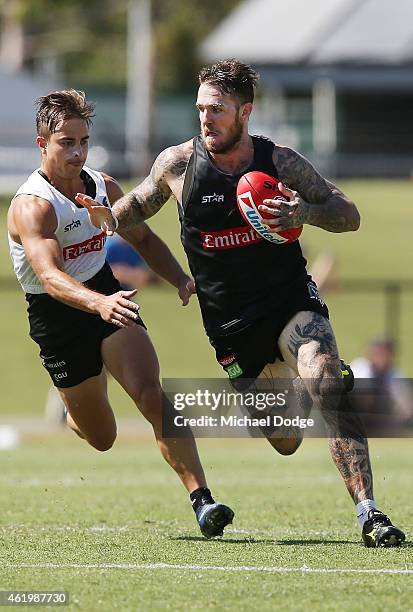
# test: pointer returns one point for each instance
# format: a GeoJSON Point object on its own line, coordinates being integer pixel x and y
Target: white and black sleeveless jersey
{"type": "Point", "coordinates": [54, 324]}
{"type": "Point", "coordinates": [82, 244]}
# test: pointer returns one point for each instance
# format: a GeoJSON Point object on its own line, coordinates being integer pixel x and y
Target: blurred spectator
{"type": "Point", "coordinates": [127, 264]}
{"type": "Point", "coordinates": [389, 385]}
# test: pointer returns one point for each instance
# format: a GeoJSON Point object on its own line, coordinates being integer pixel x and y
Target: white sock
{"type": "Point", "coordinates": [363, 508]}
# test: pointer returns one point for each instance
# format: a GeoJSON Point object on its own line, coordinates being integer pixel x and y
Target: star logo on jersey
{"type": "Point", "coordinates": [75, 223]}
{"type": "Point", "coordinates": [208, 199]}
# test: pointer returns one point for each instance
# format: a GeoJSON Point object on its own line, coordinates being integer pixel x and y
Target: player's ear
{"type": "Point", "coordinates": [41, 143]}
{"type": "Point", "coordinates": [245, 111]}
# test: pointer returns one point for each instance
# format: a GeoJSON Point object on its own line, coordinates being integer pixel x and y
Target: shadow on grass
{"type": "Point", "coordinates": [223, 540]}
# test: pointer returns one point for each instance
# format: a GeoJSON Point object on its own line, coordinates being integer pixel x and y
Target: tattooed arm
{"type": "Point", "coordinates": [130, 210]}
{"type": "Point", "coordinates": [147, 198]}
{"type": "Point", "coordinates": [152, 248]}
{"type": "Point", "coordinates": [165, 179]}
{"type": "Point", "coordinates": [312, 199]}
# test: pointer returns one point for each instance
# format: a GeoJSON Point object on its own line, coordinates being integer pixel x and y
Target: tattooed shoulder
{"type": "Point", "coordinates": [147, 198]}
{"type": "Point", "coordinates": [173, 161]}
{"type": "Point", "coordinates": [299, 174]}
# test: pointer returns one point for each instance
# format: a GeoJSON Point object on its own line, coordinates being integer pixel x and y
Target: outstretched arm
{"type": "Point", "coordinates": [147, 198]}
{"type": "Point", "coordinates": [144, 200]}
{"type": "Point", "coordinates": [152, 248]}
{"type": "Point", "coordinates": [160, 259]}
{"type": "Point", "coordinates": [312, 199]}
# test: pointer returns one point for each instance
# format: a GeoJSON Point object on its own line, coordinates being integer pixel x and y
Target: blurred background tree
{"type": "Point", "coordinates": [179, 26]}
{"type": "Point", "coordinates": [84, 43]}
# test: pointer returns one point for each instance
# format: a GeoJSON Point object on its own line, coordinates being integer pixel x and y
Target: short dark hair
{"type": "Point", "coordinates": [59, 106]}
{"type": "Point", "coordinates": [232, 77]}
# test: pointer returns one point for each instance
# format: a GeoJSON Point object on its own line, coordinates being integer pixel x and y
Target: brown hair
{"type": "Point", "coordinates": [232, 77]}
{"type": "Point", "coordinates": [59, 106]}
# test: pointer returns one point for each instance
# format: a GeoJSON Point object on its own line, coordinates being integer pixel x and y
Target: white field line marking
{"type": "Point", "coordinates": [220, 568]}
{"type": "Point", "coordinates": [94, 529]}
{"type": "Point", "coordinates": [106, 528]}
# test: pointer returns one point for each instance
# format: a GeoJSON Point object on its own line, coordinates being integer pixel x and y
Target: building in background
{"type": "Point", "coordinates": [18, 151]}
{"type": "Point", "coordinates": [337, 77]}
{"type": "Point", "coordinates": [137, 59]}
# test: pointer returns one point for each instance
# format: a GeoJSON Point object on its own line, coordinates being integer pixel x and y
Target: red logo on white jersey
{"type": "Point", "coordinates": [232, 238]}
{"type": "Point", "coordinates": [96, 243]}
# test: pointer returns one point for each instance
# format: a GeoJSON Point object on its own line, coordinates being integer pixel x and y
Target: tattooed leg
{"type": "Point", "coordinates": [308, 343]}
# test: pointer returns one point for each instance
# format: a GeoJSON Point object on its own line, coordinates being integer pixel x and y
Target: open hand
{"type": "Point", "coordinates": [118, 308]}
{"type": "Point", "coordinates": [100, 215]}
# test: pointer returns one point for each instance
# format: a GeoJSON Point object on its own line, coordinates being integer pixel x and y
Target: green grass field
{"type": "Point", "coordinates": [117, 532]}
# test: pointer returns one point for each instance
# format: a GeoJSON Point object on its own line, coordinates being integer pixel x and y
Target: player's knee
{"type": "Point", "coordinates": [102, 445]}
{"type": "Point", "coordinates": [330, 395]}
{"type": "Point", "coordinates": [286, 446]}
{"type": "Point", "coordinates": [103, 442]}
{"type": "Point", "coordinates": [326, 381]}
{"type": "Point", "coordinates": [143, 392]}
{"type": "Point", "coordinates": [330, 387]}
{"type": "Point", "coordinates": [149, 399]}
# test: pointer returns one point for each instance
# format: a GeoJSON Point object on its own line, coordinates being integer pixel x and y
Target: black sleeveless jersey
{"type": "Point", "coordinates": [239, 276]}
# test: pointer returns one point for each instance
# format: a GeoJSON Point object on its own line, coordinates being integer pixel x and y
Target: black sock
{"type": "Point", "coordinates": [200, 497]}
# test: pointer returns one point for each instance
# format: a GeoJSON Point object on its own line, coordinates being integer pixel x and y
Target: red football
{"type": "Point", "coordinates": [252, 189]}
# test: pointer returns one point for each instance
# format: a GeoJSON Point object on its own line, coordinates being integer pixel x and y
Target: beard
{"type": "Point", "coordinates": [232, 139]}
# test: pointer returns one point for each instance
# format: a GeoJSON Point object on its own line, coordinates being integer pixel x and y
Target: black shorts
{"type": "Point", "coordinates": [244, 354]}
{"type": "Point", "coordinates": [70, 339]}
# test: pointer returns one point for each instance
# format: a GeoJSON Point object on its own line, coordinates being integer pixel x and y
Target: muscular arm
{"type": "Point", "coordinates": [34, 222]}
{"type": "Point", "coordinates": [321, 203]}
{"type": "Point", "coordinates": [154, 250]}
{"type": "Point", "coordinates": [147, 198]}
